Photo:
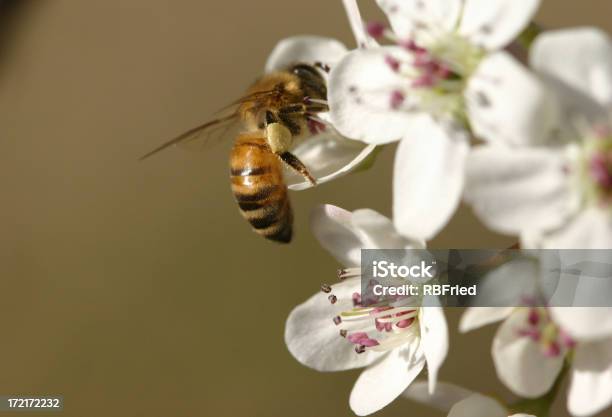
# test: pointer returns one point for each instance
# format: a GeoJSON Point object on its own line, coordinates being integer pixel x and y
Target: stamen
{"type": "Point", "coordinates": [354, 16]}
{"type": "Point", "coordinates": [600, 168]}
{"type": "Point", "coordinates": [326, 288]}
{"type": "Point", "coordinates": [552, 350]}
{"type": "Point", "coordinates": [322, 66]}
{"type": "Point", "coordinates": [566, 340]}
{"type": "Point", "coordinates": [317, 119]}
{"type": "Point", "coordinates": [552, 340]}
{"type": "Point", "coordinates": [393, 63]}
{"type": "Point", "coordinates": [332, 298]}
{"type": "Point", "coordinates": [411, 46]}
{"type": "Point", "coordinates": [343, 333]}
{"type": "Point", "coordinates": [375, 29]}
{"type": "Point", "coordinates": [315, 127]}
{"type": "Point", "coordinates": [397, 99]}
{"type": "Point", "coordinates": [348, 273]}
{"type": "Point", "coordinates": [337, 320]}
{"type": "Point", "coordinates": [533, 334]}
{"type": "Point", "coordinates": [310, 100]}
{"type": "Point", "coordinates": [426, 80]}
{"type": "Point", "coordinates": [534, 317]}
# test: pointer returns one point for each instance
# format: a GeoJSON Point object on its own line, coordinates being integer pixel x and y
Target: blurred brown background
{"type": "Point", "coordinates": [135, 289]}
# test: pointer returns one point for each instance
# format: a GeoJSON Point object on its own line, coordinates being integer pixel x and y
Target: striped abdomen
{"type": "Point", "coordinates": [259, 188]}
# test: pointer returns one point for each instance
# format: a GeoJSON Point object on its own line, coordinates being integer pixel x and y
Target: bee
{"type": "Point", "coordinates": [278, 109]}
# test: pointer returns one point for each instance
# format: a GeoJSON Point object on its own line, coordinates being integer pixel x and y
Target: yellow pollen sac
{"type": "Point", "coordinates": [278, 137]}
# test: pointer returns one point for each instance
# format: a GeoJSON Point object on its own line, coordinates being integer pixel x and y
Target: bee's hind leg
{"type": "Point", "coordinates": [279, 139]}
{"type": "Point", "coordinates": [297, 165]}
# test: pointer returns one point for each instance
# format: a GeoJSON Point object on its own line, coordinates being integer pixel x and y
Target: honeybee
{"type": "Point", "coordinates": [277, 109]}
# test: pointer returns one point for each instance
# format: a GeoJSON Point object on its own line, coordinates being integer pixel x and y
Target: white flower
{"type": "Point", "coordinates": [556, 193]}
{"type": "Point", "coordinates": [533, 343]}
{"type": "Point", "coordinates": [478, 405]}
{"type": "Point", "coordinates": [327, 155]}
{"type": "Point", "coordinates": [457, 401]}
{"type": "Point", "coordinates": [333, 331]}
{"type": "Point", "coordinates": [444, 77]}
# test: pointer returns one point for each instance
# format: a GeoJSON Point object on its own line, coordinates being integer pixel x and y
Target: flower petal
{"type": "Point", "coordinates": [313, 338]}
{"type": "Point", "coordinates": [585, 323]}
{"type": "Point", "coordinates": [580, 58]}
{"type": "Point", "coordinates": [434, 341]}
{"type": "Point", "coordinates": [327, 157]}
{"type": "Point", "coordinates": [360, 92]}
{"type": "Point", "coordinates": [384, 381]}
{"type": "Point", "coordinates": [591, 229]}
{"type": "Point", "coordinates": [513, 190]}
{"type": "Point", "coordinates": [509, 284]}
{"type": "Point", "coordinates": [428, 178]}
{"type": "Point", "coordinates": [478, 405]}
{"type": "Point", "coordinates": [476, 317]}
{"type": "Point", "coordinates": [333, 228]}
{"type": "Point", "coordinates": [591, 388]}
{"type": "Point", "coordinates": [306, 49]}
{"type": "Point", "coordinates": [378, 232]}
{"type": "Point", "coordinates": [408, 17]}
{"type": "Point", "coordinates": [494, 24]}
{"type": "Point", "coordinates": [507, 104]}
{"type": "Point", "coordinates": [519, 361]}
{"type": "Point", "coordinates": [443, 399]}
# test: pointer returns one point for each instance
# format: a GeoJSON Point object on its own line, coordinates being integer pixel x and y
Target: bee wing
{"type": "Point", "coordinates": [199, 136]}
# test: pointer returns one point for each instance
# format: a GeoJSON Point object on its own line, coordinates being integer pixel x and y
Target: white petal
{"type": "Point", "coordinates": [408, 16]}
{"type": "Point", "coordinates": [507, 104]}
{"type": "Point", "coordinates": [591, 229]}
{"type": "Point", "coordinates": [581, 58]}
{"type": "Point", "coordinates": [509, 284]}
{"type": "Point", "coordinates": [385, 380]}
{"type": "Point", "coordinates": [334, 230]}
{"type": "Point", "coordinates": [520, 363]}
{"type": "Point", "coordinates": [306, 49]}
{"type": "Point", "coordinates": [478, 405]}
{"type": "Point", "coordinates": [359, 96]}
{"type": "Point", "coordinates": [591, 388]}
{"type": "Point", "coordinates": [494, 24]}
{"type": "Point", "coordinates": [475, 317]}
{"type": "Point", "coordinates": [585, 323]}
{"type": "Point", "coordinates": [443, 399]}
{"type": "Point", "coordinates": [327, 157]}
{"type": "Point", "coordinates": [428, 178]}
{"type": "Point", "coordinates": [313, 338]}
{"type": "Point", "coordinates": [434, 341]}
{"type": "Point", "coordinates": [513, 190]}
{"type": "Point", "coordinates": [588, 278]}
{"type": "Point", "coordinates": [378, 232]}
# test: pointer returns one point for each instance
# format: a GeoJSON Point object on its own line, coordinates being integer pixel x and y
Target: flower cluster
{"type": "Point", "coordinates": [488, 110]}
